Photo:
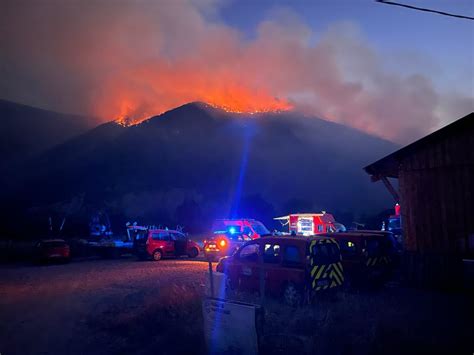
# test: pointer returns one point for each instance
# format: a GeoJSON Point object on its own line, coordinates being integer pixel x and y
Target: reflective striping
{"type": "Point", "coordinates": [335, 277]}
{"type": "Point", "coordinates": [378, 260]}
{"type": "Point", "coordinates": [313, 271]}
{"type": "Point", "coordinates": [318, 275]}
{"type": "Point", "coordinates": [371, 261]}
{"type": "Point", "coordinates": [325, 276]}
{"type": "Point", "coordinates": [341, 270]}
{"type": "Point", "coordinates": [333, 272]}
{"type": "Point", "coordinates": [326, 273]}
{"type": "Point", "coordinates": [338, 271]}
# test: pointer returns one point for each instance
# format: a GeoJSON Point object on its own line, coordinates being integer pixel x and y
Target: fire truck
{"type": "Point", "coordinates": [306, 224]}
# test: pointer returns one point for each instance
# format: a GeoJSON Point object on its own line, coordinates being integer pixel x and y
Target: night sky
{"type": "Point", "coordinates": [389, 71]}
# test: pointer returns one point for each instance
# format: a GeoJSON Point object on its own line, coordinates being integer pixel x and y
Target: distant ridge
{"type": "Point", "coordinates": [27, 130]}
{"type": "Point", "coordinates": [196, 162]}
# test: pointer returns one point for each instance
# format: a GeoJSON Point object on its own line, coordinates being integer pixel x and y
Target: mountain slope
{"type": "Point", "coordinates": [200, 161]}
{"type": "Point", "coordinates": [27, 131]}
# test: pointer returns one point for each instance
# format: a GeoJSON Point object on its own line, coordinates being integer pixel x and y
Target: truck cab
{"type": "Point", "coordinates": [250, 227]}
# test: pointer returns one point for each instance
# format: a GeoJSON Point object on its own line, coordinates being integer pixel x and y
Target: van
{"type": "Point", "coordinates": [292, 266]}
{"type": "Point", "coordinates": [367, 255]}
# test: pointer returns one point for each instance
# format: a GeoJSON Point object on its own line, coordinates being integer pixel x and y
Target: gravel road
{"type": "Point", "coordinates": [126, 306]}
{"type": "Point", "coordinates": [97, 306]}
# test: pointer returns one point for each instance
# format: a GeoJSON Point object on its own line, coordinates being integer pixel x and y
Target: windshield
{"type": "Point", "coordinates": [326, 253]}
{"type": "Point", "coordinates": [259, 228]}
{"type": "Point", "coordinates": [239, 237]}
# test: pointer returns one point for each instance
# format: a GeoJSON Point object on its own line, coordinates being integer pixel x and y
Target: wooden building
{"type": "Point", "coordinates": [436, 193]}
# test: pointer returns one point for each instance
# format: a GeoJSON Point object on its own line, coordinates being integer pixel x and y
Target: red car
{"type": "Point", "coordinates": [291, 266]}
{"type": "Point", "coordinates": [53, 249]}
{"type": "Point", "coordinates": [161, 243]}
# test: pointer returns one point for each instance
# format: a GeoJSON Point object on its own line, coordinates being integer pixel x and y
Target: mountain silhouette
{"type": "Point", "coordinates": [27, 131]}
{"type": "Point", "coordinates": [203, 162]}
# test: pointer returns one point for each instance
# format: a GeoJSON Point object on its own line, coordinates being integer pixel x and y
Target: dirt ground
{"type": "Point", "coordinates": [129, 307]}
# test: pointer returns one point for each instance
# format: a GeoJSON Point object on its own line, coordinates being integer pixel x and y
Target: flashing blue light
{"type": "Point", "coordinates": [232, 230]}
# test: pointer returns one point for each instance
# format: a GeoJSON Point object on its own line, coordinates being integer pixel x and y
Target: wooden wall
{"type": "Point", "coordinates": [437, 196]}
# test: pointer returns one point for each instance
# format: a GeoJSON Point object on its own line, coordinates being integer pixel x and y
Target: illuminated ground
{"type": "Point", "coordinates": [95, 306]}
{"type": "Point", "coordinates": [129, 307]}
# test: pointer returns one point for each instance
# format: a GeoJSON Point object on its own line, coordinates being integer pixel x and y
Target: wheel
{"type": "Point", "coordinates": [193, 253]}
{"type": "Point", "coordinates": [292, 295]}
{"type": "Point", "coordinates": [157, 255]}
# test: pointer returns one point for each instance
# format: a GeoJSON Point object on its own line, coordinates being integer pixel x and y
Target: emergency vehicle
{"type": "Point", "coordinates": [223, 243]}
{"type": "Point", "coordinates": [367, 255]}
{"type": "Point", "coordinates": [291, 266]}
{"type": "Point", "coordinates": [229, 234]}
{"type": "Point", "coordinates": [307, 224]}
{"type": "Point", "coordinates": [250, 227]}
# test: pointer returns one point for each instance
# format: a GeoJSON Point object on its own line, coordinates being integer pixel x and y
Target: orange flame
{"type": "Point", "coordinates": [246, 104]}
{"type": "Point", "coordinates": [130, 114]}
{"type": "Point", "coordinates": [241, 101]}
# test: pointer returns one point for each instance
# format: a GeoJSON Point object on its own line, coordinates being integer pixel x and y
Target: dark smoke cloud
{"type": "Point", "coordinates": [139, 58]}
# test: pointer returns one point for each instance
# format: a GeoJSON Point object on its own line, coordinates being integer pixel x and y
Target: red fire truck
{"type": "Point", "coordinates": [306, 224]}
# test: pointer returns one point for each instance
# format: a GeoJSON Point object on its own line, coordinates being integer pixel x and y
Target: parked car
{"type": "Point", "coordinates": [292, 266]}
{"type": "Point", "coordinates": [222, 244]}
{"type": "Point", "coordinates": [367, 255]}
{"type": "Point", "coordinates": [52, 250]}
{"type": "Point", "coordinates": [162, 243]}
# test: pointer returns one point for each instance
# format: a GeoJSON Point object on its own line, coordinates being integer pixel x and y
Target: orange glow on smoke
{"type": "Point", "coordinates": [240, 101]}
{"type": "Point", "coordinates": [129, 114]}
{"type": "Point", "coordinates": [249, 105]}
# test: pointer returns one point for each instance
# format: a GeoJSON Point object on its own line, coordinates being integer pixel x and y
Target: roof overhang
{"type": "Point", "coordinates": [388, 167]}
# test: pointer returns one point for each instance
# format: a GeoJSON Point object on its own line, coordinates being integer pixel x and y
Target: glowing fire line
{"type": "Point", "coordinates": [129, 116]}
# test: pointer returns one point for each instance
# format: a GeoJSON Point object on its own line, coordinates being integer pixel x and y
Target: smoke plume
{"type": "Point", "coordinates": [133, 59]}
